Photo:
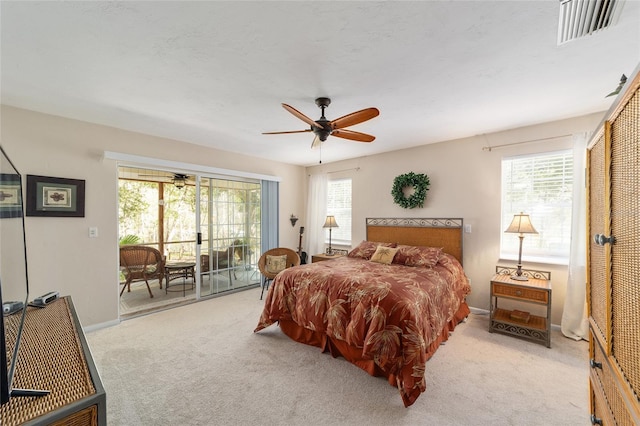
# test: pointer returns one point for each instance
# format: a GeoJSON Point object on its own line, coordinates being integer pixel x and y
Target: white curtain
{"type": "Point", "coordinates": [574, 315]}
{"type": "Point", "coordinates": [269, 206]}
{"type": "Point", "coordinates": [316, 213]}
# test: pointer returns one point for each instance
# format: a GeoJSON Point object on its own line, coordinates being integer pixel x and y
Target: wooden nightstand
{"type": "Point", "coordinates": [321, 257]}
{"type": "Point", "coordinates": [537, 291]}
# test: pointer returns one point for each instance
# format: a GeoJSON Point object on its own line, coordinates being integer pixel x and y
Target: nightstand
{"type": "Point", "coordinates": [535, 291]}
{"type": "Point", "coordinates": [321, 257]}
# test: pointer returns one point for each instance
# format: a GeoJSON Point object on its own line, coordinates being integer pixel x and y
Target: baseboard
{"type": "Point", "coordinates": [95, 327]}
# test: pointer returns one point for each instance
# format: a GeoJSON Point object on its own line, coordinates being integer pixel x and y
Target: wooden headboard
{"type": "Point", "coordinates": [431, 232]}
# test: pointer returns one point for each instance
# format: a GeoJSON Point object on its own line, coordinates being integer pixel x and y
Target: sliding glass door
{"type": "Point", "coordinates": [211, 225]}
{"type": "Point", "coordinates": [229, 234]}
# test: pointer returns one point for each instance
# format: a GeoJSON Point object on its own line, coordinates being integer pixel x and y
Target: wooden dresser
{"type": "Point", "coordinates": [54, 356]}
{"type": "Point", "coordinates": [613, 262]}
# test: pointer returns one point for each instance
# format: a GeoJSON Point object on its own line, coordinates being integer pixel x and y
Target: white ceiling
{"type": "Point", "coordinates": [215, 73]}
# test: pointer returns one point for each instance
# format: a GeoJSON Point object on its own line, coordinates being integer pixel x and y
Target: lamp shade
{"type": "Point", "coordinates": [330, 222]}
{"type": "Point", "coordinates": [521, 224]}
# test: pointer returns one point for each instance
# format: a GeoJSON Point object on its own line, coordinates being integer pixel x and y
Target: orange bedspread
{"type": "Point", "coordinates": [386, 319]}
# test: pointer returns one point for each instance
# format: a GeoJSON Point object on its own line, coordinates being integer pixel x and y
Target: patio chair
{"type": "Point", "coordinates": [141, 263]}
{"type": "Point", "coordinates": [270, 265]}
{"type": "Point", "coordinates": [219, 260]}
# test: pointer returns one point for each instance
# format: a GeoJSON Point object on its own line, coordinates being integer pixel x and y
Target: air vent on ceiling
{"type": "Point", "coordinates": [579, 18]}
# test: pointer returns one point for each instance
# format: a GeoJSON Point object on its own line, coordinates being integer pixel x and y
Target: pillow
{"type": "Point", "coordinates": [276, 264]}
{"type": "Point", "coordinates": [384, 255]}
{"type": "Point", "coordinates": [418, 256]}
{"type": "Point", "coordinates": [366, 249]}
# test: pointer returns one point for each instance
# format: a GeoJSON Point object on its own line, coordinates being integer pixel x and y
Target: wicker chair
{"type": "Point", "coordinates": [141, 263]}
{"type": "Point", "coordinates": [292, 260]}
{"type": "Point", "coordinates": [219, 260]}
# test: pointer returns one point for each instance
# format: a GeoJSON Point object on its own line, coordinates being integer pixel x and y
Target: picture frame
{"type": "Point", "coordinates": [55, 197]}
{"type": "Point", "coordinates": [10, 195]}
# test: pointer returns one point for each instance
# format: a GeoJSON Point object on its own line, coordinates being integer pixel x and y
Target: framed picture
{"type": "Point", "coordinates": [49, 196]}
{"type": "Point", "coordinates": [10, 195]}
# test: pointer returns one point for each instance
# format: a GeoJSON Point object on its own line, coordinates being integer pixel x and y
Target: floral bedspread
{"type": "Point", "coordinates": [394, 313]}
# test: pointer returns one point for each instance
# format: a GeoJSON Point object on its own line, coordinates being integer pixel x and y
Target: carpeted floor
{"type": "Point", "coordinates": [201, 364]}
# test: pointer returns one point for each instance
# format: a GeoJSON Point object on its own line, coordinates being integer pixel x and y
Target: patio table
{"type": "Point", "coordinates": [175, 270]}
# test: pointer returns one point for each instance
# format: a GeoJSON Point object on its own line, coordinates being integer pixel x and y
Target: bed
{"type": "Point", "coordinates": [386, 318]}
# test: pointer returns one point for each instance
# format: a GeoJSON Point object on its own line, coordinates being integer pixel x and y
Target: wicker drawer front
{"type": "Point", "coordinates": [86, 417]}
{"type": "Point", "coordinates": [599, 407]}
{"type": "Point", "coordinates": [530, 294]}
{"type": "Point", "coordinates": [604, 379]}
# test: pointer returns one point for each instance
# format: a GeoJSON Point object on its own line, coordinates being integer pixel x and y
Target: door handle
{"type": "Point", "coordinates": [601, 239]}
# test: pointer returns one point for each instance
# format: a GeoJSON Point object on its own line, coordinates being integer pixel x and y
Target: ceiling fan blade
{"type": "Point", "coordinates": [354, 136]}
{"type": "Point", "coordinates": [354, 118]}
{"type": "Point", "coordinates": [157, 176]}
{"type": "Point", "coordinates": [282, 133]}
{"type": "Point", "coordinates": [316, 142]}
{"type": "Point", "coordinates": [300, 115]}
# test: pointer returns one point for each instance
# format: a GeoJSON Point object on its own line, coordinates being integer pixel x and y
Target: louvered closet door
{"type": "Point", "coordinates": [598, 217]}
{"type": "Point", "coordinates": [625, 260]}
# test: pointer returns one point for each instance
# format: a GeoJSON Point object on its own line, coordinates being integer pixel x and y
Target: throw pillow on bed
{"type": "Point", "coordinates": [276, 264]}
{"type": "Point", "coordinates": [366, 249]}
{"type": "Point", "coordinates": [384, 255]}
{"type": "Point", "coordinates": [418, 256]}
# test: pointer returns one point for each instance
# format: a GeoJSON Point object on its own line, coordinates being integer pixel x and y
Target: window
{"type": "Point", "coordinates": [541, 186]}
{"type": "Point", "coordinates": [339, 205]}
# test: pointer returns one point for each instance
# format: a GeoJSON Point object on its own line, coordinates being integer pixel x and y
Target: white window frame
{"type": "Point", "coordinates": [340, 236]}
{"type": "Point", "coordinates": [550, 210]}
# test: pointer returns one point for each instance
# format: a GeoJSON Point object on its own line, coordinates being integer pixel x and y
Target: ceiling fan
{"type": "Point", "coordinates": [324, 128]}
{"type": "Point", "coordinates": [179, 180]}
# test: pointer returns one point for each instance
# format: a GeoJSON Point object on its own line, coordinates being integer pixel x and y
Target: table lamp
{"type": "Point", "coordinates": [521, 224]}
{"type": "Point", "coordinates": [330, 222]}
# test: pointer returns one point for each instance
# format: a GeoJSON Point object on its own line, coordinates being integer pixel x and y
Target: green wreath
{"type": "Point", "coordinates": [419, 181]}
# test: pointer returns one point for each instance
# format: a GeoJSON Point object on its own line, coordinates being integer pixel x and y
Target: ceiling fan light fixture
{"type": "Point", "coordinates": [323, 134]}
{"type": "Point", "coordinates": [180, 181]}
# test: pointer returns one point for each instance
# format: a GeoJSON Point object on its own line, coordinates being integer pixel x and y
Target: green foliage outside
{"type": "Point", "coordinates": [230, 215]}
{"type": "Point", "coordinates": [129, 240]}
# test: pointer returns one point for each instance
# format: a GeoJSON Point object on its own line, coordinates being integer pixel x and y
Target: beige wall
{"type": "Point", "coordinates": [464, 182]}
{"type": "Point", "coordinates": [61, 255]}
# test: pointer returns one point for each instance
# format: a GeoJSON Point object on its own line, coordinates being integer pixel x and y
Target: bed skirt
{"type": "Point", "coordinates": [354, 355]}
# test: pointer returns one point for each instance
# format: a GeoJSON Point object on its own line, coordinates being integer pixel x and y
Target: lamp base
{"type": "Point", "coordinates": [519, 278]}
